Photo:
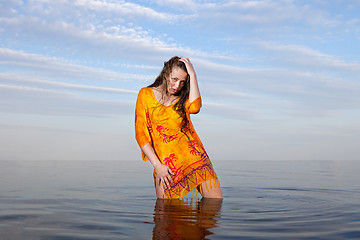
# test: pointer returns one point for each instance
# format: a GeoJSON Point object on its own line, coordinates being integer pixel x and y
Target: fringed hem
{"type": "Point", "coordinates": [204, 173]}
{"type": "Point", "coordinates": [216, 184]}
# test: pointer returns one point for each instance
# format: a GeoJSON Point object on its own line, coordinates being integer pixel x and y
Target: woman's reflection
{"type": "Point", "coordinates": [180, 219]}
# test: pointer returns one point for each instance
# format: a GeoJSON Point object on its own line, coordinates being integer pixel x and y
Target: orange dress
{"type": "Point", "coordinates": [159, 125]}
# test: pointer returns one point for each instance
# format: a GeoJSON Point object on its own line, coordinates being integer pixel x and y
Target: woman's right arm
{"type": "Point", "coordinates": [163, 172]}
{"type": "Point", "coordinates": [142, 135]}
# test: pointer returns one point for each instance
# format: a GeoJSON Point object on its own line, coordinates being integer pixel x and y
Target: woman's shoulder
{"type": "Point", "coordinates": [146, 95]}
{"type": "Point", "coordinates": [145, 91]}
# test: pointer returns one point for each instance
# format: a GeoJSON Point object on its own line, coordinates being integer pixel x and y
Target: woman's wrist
{"type": "Point", "coordinates": [156, 163]}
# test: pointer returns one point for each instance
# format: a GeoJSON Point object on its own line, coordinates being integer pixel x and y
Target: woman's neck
{"type": "Point", "coordinates": [163, 96]}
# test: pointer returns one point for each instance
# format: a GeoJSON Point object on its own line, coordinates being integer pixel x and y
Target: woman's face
{"type": "Point", "coordinates": [176, 80]}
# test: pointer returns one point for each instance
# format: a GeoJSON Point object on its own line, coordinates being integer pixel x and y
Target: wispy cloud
{"type": "Point", "coordinates": [305, 56]}
{"type": "Point", "coordinates": [32, 100]}
{"type": "Point", "coordinates": [265, 12]}
{"type": "Point", "coordinates": [125, 9]}
{"type": "Point", "coordinates": [61, 68]}
{"type": "Point", "coordinates": [14, 78]}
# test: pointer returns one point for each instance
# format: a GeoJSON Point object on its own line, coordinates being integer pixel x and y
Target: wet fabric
{"type": "Point", "coordinates": [184, 153]}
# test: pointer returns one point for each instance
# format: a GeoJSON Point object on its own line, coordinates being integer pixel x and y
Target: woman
{"type": "Point", "coordinates": [166, 136]}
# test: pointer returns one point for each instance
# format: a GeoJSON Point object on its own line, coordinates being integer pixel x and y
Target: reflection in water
{"type": "Point", "coordinates": [179, 219]}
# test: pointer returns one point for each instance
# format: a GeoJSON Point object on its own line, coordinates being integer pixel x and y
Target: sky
{"type": "Point", "coordinates": [279, 80]}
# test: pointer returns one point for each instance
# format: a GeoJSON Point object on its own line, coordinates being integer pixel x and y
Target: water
{"type": "Point", "coordinates": [116, 200]}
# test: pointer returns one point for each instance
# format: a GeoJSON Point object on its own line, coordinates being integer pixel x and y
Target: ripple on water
{"type": "Point", "coordinates": [280, 203]}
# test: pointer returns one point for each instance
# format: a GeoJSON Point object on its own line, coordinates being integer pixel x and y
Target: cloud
{"type": "Point", "coordinates": [8, 8]}
{"type": "Point", "coordinates": [305, 56]}
{"type": "Point", "coordinates": [258, 78]}
{"type": "Point", "coordinates": [31, 100]}
{"type": "Point", "coordinates": [265, 12]}
{"type": "Point", "coordinates": [61, 68]}
{"type": "Point", "coordinates": [241, 90]}
{"type": "Point", "coordinates": [73, 28]}
{"type": "Point", "coordinates": [185, 6]}
{"type": "Point", "coordinates": [252, 12]}
{"type": "Point", "coordinates": [94, 27]}
{"type": "Point", "coordinates": [114, 42]}
{"type": "Point", "coordinates": [14, 78]}
{"type": "Point", "coordinates": [229, 111]}
{"type": "Point", "coordinates": [85, 9]}
{"type": "Point", "coordinates": [284, 91]}
{"type": "Point", "coordinates": [123, 8]}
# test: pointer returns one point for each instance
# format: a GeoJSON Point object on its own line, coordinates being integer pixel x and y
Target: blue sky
{"type": "Point", "coordinates": [280, 80]}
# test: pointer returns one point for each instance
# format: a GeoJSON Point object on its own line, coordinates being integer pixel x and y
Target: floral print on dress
{"type": "Point", "coordinates": [192, 146]}
{"type": "Point", "coordinates": [166, 137]}
{"type": "Point", "coordinates": [170, 161]}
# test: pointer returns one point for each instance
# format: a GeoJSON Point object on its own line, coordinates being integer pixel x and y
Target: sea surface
{"type": "Point", "coordinates": [80, 200]}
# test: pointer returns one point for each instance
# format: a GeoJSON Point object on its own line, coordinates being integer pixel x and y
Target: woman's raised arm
{"type": "Point", "coordinates": [194, 87]}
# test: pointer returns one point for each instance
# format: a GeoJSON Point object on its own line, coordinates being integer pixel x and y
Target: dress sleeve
{"type": "Point", "coordinates": [142, 130]}
{"type": "Point", "coordinates": [194, 106]}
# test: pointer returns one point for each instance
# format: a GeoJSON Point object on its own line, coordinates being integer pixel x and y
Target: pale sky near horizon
{"type": "Point", "coordinates": [280, 80]}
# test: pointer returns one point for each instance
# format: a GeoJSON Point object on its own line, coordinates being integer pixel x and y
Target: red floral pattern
{"type": "Point", "coordinates": [166, 137]}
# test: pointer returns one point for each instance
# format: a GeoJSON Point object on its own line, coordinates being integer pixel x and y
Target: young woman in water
{"type": "Point", "coordinates": [166, 136]}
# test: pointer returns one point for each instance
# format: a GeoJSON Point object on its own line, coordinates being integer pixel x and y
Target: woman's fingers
{"type": "Point", "coordinates": [167, 184]}
{"type": "Point", "coordinates": [166, 181]}
{"type": "Point", "coordinates": [164, 176]}
{"type": "Point", "coordinates": [188, 65]}
{"type": "Point", "coordinates": [185, 60]}
{"type": "Point", "coordinates": [169, 177]}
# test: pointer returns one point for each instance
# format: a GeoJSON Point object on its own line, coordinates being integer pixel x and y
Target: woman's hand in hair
{"type": "Point", "coordinates": [194, 87]}
{"type": "Point", "coordinates": [189, 66]}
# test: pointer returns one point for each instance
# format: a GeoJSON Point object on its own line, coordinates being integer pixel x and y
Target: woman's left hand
{"type": "Point", "coordinates": [188, 65]}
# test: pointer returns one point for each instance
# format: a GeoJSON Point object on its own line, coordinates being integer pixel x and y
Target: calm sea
{"type": "Point", "coordinates": [116, 200]}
